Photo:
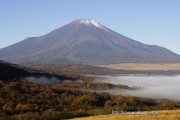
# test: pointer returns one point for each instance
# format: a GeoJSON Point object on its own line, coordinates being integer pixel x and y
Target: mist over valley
{"type": "Point", "coordinates": [158, 87]}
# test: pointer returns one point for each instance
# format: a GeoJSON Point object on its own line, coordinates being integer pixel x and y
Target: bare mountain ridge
{"type": "Point", "coordinates": [86, 41]}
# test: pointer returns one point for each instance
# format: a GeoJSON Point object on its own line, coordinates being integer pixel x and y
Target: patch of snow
{"type": "Point", "coordinates": [89, 22]}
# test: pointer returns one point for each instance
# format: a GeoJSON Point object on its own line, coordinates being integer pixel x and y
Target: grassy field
{"type": "Point", "coordinates": [163, 115]}
{"type": "Point", "coordinates": [140, 66]}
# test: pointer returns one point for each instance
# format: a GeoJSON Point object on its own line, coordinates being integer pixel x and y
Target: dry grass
{"type": "Point", "coordinates": [163, 115]}
{"type": "Point", "coordinates": [140, 66]}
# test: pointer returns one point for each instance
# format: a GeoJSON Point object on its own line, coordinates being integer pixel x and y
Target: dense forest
{"type": "Point", "coordinates": [27, 101]}
{"type": "Point", "coordinates": [21, 99]}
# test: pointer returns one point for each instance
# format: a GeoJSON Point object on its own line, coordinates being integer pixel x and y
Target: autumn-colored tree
{"type": "Point", "coordinates": [84, 101]}
{"type": "Point", "coordinates": [107, 103]}
{"type": "Point", "coordinates": [7, 107]}
{"type": "Point", "coordinates": [132, 101]}
{"type": "Point", "coordinates": [22, 107]}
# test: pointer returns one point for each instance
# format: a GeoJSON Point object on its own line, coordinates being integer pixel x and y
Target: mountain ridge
{"type": "Point", "coordinates": [86, 41]}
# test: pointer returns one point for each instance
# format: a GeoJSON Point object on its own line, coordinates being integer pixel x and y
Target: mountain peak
{"type": "Point", "coordinates": [88, 22]}
{"type": "Point", "coordinates": [85, 41]}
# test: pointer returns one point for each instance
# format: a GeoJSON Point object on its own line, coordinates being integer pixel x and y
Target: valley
{"type": "Point", "coordinates": [114, 69]}
{"type": "Point", "coordinates": [144, 66]}
{"type": "Point", "coordinates": [69, 96]}
{"type": "Point", "coordinates": [149, 86]}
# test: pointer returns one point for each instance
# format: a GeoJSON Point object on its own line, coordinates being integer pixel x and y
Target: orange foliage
{"type": "Point", "coordinates": [22, 107]}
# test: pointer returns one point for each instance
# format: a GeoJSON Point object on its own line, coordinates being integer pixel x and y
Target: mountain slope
{"type": "Point", "coordinates": [86, 41]}
{"type": "Point", "coordinates": [10, 72]}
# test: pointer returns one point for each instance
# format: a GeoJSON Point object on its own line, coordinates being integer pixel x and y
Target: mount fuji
{"type": "Point", "coordinates": [85, 41]}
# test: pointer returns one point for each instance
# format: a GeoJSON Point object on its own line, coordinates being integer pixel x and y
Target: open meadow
{"type": "Point", "coordinates": [163, 115]}
{"type": "Point", "coordinates": [143, 66]}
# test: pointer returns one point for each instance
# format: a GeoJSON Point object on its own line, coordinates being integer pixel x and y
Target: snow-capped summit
{"type": "Point", "coordinates": [88, 22]}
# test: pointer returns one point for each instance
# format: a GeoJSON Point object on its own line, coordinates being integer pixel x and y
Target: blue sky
{"type": "Point", "coordinates": [148, 21]}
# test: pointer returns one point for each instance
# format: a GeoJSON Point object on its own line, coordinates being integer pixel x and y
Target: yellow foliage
{"type": "Point", "coordinates": [120, 99]}
{"type": "Point", "coordinates": [7, 107]}
{"type": "Point", "coordinates": [22, 107]}
{"type": "Point", "coordinates": [84, 99]}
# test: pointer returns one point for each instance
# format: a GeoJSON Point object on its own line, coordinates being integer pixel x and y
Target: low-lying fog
{"type": "Point", "coordinates": [48, 80]}
{"type": "Point", "coordinates": [167, 87]}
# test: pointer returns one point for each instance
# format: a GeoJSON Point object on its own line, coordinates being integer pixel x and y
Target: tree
{"type": "Point", "coordinates": [7, 107]}
{"type": "Point", "coordinates": [22, 107]}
